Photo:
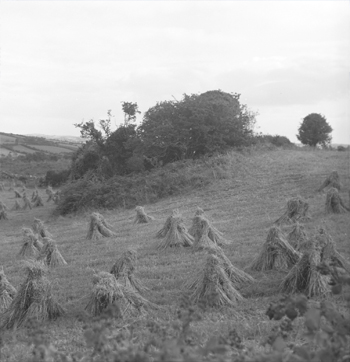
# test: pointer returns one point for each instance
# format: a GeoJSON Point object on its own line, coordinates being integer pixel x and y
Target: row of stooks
{"type": "Point", "coordinates": [217, 282]}
{"type": "Point", "coordinates": [36, 201]}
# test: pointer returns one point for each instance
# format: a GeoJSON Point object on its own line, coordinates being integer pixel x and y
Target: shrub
{"type": "Point", "coordinates": [56, 179]}
{"type": "Point", "coordinates": [342, 148]}
{"type": "Point", "coordinates": [276, 140]}
{"type": "Point", "coordinates": [133, 190]}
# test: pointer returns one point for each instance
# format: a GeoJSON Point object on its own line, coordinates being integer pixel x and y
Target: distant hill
{"type": "Point", "coordinates": [58, 138]}
{"type": "Point", "coordinates": [17, 145]}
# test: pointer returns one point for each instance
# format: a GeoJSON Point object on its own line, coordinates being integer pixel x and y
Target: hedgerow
{"type": "Point", "coordinates": [129, 191]}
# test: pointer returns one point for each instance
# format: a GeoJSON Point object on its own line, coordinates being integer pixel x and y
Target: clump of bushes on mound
{"type": "Point", "coordinates": [132, 190]}
{"type": "Point", "coordinates": [276, 140]}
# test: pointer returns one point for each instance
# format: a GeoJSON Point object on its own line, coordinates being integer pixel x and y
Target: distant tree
{"type": "Point", "coordinates": [277, 140]}
{"type": "Point", "coordinates": [130, 110]}
{"type": "Point", "coordinates": [105, 124]}
{"type": "Point", "coordinates": [89, 131]}
{"type": "Point", "coordinates": [315, 130]}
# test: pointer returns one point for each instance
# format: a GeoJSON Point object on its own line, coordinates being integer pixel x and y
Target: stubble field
{"type": "Point", "coordinates": [249, 193]}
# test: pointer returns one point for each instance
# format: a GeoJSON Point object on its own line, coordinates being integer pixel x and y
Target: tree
{"type": "Point", "coordinates": [118, 148]}
{"type": "Point", "coordinates": [196, 125]}
{"type": "Point", "coordinates": [130, 110]}
{"type": "Point", "coordinates": [315, 130]}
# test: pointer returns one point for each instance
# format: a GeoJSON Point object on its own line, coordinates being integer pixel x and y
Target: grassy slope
{"type": "Point", "coordinates": [250, 193]}
{"type": "Point", "coordinates": [33, 168]}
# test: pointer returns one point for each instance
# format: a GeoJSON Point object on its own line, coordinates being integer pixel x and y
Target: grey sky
{"type": "Point", "coordinates": [62, 62]}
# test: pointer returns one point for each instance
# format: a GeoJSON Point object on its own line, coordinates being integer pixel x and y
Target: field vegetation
{"type": "Point", "coordinates": [52, 149]}
{"type": "Point", "coordinates": [19, 145]}
{"type": "Point", "coordinates": [242, 193]}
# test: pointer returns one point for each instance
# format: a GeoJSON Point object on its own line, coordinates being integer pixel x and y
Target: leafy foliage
{"type": "Point", "coordinates": [196, 125]}
{"type": "Point", "coordinates": [172, 130]}
{"type": "Point", "coordinates": [56, 179]}
{"type": "Point", "coordinates": [315, 130]}
{"type": "Point", "coordinates": [131, 190]}
{"type": "Point", "coordinates": [277, 140]}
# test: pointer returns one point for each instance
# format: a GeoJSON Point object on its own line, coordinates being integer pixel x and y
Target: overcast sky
{"type": "Point", "coordinates": [64, 62]}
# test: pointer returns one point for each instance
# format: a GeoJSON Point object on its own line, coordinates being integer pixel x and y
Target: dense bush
{"type": "Point", "coordinates": [131, 190]}
{"type": "Point", "coordinates": [196, 125]}
{"type": "Point", "coordinates": [56, 179]}
{"type": "Point", "coordinates": [342, 148]}
{"type": "Point", "coordinates": [276, 140]}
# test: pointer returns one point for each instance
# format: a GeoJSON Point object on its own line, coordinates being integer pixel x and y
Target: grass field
{"type": "Point", "coordinates": [23, 149]}
{"type": "Point", "coordinates": [52, 149]}
{"type": "Point", "coordinates": [4, 151]}
{"type": "Point", "coordinates": [6, 139]}
{"type": "Point", "coordinates": [243, 203]}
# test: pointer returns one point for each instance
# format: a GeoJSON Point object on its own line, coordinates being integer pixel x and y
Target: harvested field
{"type": "Point", "coordinates": [243, 207]}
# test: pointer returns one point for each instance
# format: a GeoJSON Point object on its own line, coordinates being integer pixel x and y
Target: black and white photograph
{"type": "Point", "coordinates": [174, 181]}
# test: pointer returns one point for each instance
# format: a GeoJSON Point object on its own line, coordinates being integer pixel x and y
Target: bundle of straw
{"type": "Point", "coordinates": [34, 299]}
{"type": "Point", "coordinates": [3, 205]}
{"type": "Point", "coordinates": [38, 201]}
{"type": "Point", "coordinates": [332, 180]}
{"type": "Point", "coordinates": [211, 285]}
{"type": "Point", "coordinates": [12, 185]}
{"type": "Point", "coordinates": [26, 202]}
{"type": "Point", "coordinates": [108, 291]}
{"type": "Point", "coordinates": [40, 229]}
{"type": "Point", "coordinates": [124, 269]}
{"type": "Point", "coordinates": [275, 253]}
{"type": "Point", "coordinates": [202, 235]}
{"type": "Point", "coordinates": [304, 276]}
{"type": "Point", "coordinates": [31, 245]}
{"type": "Point", "coordinates": [141, 216]}
{"type": "Point", "coordinates": [99, 227]}
{"type": "Point", "coordinates": [177, 234]}
{"type": "Point", "coordinates": [5, 285]}
{"type": "Point", "coordinates": [297, 209]}
{"type": "Point", "coordinates": [237, 276]}
{"type": "Point", "coordinates": [214, 234]}
{"type": "Point", "coordinates": [334, 203]}
{"type": "Point", "coordinates": [164, 230]}
{"type": "Point", "coordinates": [193, 229]}
{"type": "Point", "coordinates": [297, 237]}
{"type": "Point", "coordinates": [3, 214]}
{"type": "Point", "coordinates": [5, 299]}
{"type": "Point", "coordinates": [3, 211]}
{"type": "Point", "coordinates": [50, 254]}
{"type": "Point", "coordinates": [16, 206]}
{"type": "Point", "coordinates": [35, 194]}
{"type": "Point", "coordinates": [50, 193]}
{"type": "Point", "coordinates": [56, 197]}
{"type": "Point", "coordinates": [329, 252]}
{"type": "Point", "coordinates": [105, 292]}
{"type": "Point", "coordinates": [17, 195]}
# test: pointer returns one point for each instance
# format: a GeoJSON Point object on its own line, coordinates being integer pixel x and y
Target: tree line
{"type": "Point", "coordinates": [194, 126]}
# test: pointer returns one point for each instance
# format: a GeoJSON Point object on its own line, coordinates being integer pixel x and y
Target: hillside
{"type": "Point", "coordinates": [17, 145]}
{"type": "Point", "coordinates": [243, 202]}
